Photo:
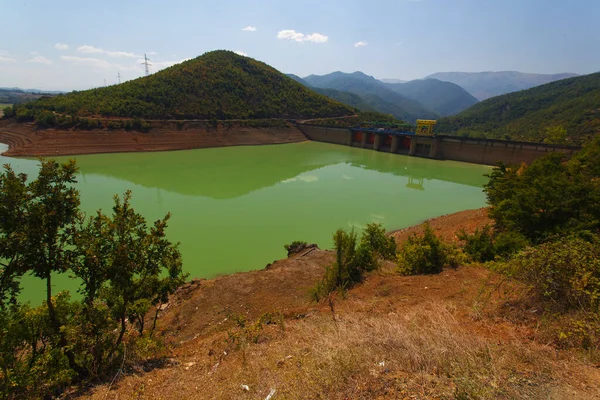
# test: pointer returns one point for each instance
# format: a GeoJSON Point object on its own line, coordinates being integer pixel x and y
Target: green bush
{"type": "Point", "coordinates": [8, 112]}
{"type": "Point", "coordinates": [45, 119]}
{"type": "Point", "coordinates": [125, 269]}
{"type": "Point", "coordinates": [354, 258]}
{"type": "Point", "coordinates": [380, 245]}
{"type": "Point", "coordinates": [295, 247]}
{"type": "Point", "coordinates": [426, 254]}
{"type": "Point", "coordinates": [566, 273]}
{"type": "Point", "coordinates": [486, 244]}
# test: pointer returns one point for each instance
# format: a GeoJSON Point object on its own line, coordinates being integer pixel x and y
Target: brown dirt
{"type": "Point", "coordinates": [415, 337]}
{"type": "Point", "coordinates": [25, 140]}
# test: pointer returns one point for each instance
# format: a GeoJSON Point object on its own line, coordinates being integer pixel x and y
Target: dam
{"type": "Point", "coordinates": [438, 147]}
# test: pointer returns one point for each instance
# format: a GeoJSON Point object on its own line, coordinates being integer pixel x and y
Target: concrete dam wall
{"type": "Point", "coordinates": [479, 151]}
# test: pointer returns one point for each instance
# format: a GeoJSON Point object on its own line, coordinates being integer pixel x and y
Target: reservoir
{"type": "Point", "coordinates": [234, 208]}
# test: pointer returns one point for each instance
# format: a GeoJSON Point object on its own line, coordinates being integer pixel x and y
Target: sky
{"type": "Point", "coordinates": [77, 44]}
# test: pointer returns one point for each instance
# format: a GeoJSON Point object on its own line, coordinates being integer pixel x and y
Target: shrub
{"type": "Point", "coordinates": [353, 259]}
{"type": "Point", "coordinates": [426, 254]}
{"type": "Point", "coordinates": [480, 244]}
{"type": "Point", "coordinates": [380, 245]}
{"type": "Point", "coordinates": [295, 247]}
{"type": "Point", "coordinates": [486, 244]}
{"type": "Point", "coordinates": [8, 112]}
{"type": "Point", "coordinates": [566, 273]}
{"type": "Point", "coordinates": [45, 119]}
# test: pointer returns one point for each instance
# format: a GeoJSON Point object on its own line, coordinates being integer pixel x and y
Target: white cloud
{"type": "Point", "coordinates": [249, 29]}
{"type": "Point", "coordinates": [90, 62]}
{"type": "Point", "coordinates": [292, 35]}
{"type": "Point", "coordinates": [87, 49]}
{"type": "Point", "coordinates": [5, 57]}
{"type": "Point", "coordinates": [360, 44]}
{"type": "Point", "coordinates": [240, 53]}
{"type": "Point", "coordinates": [61, 46]}
{"type": "Point", "coordinates": [40, 60]}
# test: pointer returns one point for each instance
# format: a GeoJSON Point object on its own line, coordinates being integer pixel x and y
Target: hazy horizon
{"type": "Point", "coordinates": [68, 45]}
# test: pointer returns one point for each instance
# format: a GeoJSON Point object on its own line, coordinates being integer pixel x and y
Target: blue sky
{"type": "Point", "coordinates": [68, 44]}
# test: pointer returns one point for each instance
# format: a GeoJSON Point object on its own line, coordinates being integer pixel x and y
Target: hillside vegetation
{"type": "Point", "coordinates": [484, 85]}
{"type": "Point", "coordinates": [566, 111]}
{"type": "Point", "coordinates": [216, 85]}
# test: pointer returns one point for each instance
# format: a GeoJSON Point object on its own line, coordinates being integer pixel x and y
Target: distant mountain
{"type": "Point", "coordinates": [568, 109]}
{"type": "Point", "coordinates": [36, 91]}
{"type": "Point", "coordinates": [484, 85]}
{"type": "Point", "coordinates": [445, 98]}
{"type": "Point", "coordinates": [374, 93]}
{"type": "Point", "coordinates": [392, 80]}
{"type": "Point", "coordinates": [217, 85]}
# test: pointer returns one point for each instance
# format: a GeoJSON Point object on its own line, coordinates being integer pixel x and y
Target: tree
{"type": "Point", "coordinates": [125, 268]}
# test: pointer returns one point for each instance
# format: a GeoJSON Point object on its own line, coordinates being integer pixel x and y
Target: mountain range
{"type": "Point", "coordinates": [409, 101]}
{"type": "Point", "coordinates": [484, 85]}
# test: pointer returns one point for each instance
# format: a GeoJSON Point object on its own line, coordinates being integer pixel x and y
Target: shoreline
{"type": "Point", "coordinates": [23, 140]}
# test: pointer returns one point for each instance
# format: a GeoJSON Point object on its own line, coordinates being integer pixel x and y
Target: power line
{"type": "Point", "coordinates": [146, 64]}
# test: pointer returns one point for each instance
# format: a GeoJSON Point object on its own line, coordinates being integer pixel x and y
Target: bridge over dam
{"type": "Point", "coordinates": [438, 147]}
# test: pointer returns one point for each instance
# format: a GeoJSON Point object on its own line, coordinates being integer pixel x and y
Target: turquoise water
{"type": "Point", "coordinates": [234, 208]}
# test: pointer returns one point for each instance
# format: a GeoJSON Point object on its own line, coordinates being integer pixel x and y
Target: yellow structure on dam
{"type": "Point", "coordinates": [425, 126]}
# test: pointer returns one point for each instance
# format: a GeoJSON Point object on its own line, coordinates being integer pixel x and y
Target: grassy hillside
{"type": "Point", "coordinates": [218, 84]}
{"type": "Point", "coordinates": [484, 85]}
{"type": "Point", "coordinates": [445, 98]}
{"type": "Point", "coordinates": [563, 111]}
{"type": "Point", "coordinates": [375, 94]}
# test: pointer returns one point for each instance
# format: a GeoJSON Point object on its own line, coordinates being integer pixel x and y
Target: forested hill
{"type": "Point", "coordinates": [559, 112]}
{"type": "Point", "coordinates": [219, 84]}
{"type": "Point", "coordinates": [484, 85]}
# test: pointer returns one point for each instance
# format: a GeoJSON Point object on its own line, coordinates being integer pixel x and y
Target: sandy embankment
{"type": "Point", "coordinates": [24, 139]}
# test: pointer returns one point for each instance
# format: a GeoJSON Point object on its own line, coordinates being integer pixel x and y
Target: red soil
{"type": "Point", "coordinates": [25, 140]}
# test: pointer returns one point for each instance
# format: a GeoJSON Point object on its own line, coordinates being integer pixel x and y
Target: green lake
{"type": "Point", "coordinates": [234, 208]}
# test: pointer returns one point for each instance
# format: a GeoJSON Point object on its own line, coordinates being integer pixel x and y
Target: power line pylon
{"type": "Point", "coordinates": [147, 64]}
{"type": "Point", "coordinates": [119, 77]}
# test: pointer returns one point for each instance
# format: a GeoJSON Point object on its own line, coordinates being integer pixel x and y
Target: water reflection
{"type": "Point", "coordinates": [228, 173]}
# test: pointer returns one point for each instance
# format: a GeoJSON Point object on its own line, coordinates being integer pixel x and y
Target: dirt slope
{"type": "Point", "coordinates": [25, 140]}
{"type": "Point", "coordinates": [417, 337]}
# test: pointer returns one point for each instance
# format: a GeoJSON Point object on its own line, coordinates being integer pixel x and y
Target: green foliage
{"type": "Point", "coordinates": [126, 268]}
{"type": "Point", "coordinates": [426, 254]}
{"type": "Point", "coordinates": [218, 84]}
{"type": "Point", "coordinates": [565, 272]}
{"type": "Point", "coordinates": [353, 259]}
{"type": "Point", "coordinates": [548, 197]}
{"type": "Point", "coordinates": [538, 114]}
{"type": "Point", "coordinates": [45, 119]}
{"type": "Point", "coordinates": [365, 118]}
{"type": "Point", "coordinates": [295, 247]}
{"type": "Point", "coordinates": [8, 112]}
{"type": "Point", "coordinates": [379, 245]}
{"type": "Point", "coordinates": [486, 244]}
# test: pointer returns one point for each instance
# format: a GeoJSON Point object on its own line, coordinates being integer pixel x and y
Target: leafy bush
{"type": "Point", "coordinates": [426, 254]}
{"type": "Point", "coordinates": [486, 244]}
{"type": "Point", "coordinates": [378, 243]}
{"type": "Point", "coordinates": [45, 119]}
{"type": "Point", "coordinates": [549, 197]}
{"type": "Point", "coordinates": [566, 272]}
{"type": "Point", "coordinates": [353, 259]}
{"type": "Point", "coordinates": [295, 247]}
{"type": "Point", "coordinates": [125, 268]}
